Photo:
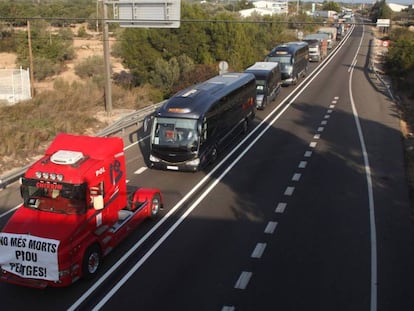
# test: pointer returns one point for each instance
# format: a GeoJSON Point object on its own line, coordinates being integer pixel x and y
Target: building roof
{"type": "Point", "coordinates": [397, 7]}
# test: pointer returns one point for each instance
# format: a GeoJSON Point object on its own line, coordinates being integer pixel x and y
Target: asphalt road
{"type": "Point", "coordinates": [308, 211]}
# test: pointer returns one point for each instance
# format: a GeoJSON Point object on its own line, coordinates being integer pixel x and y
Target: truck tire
{"type": "Point", "coordinates": [155, 205]}
{"type": "Point", "coordinates": [91, 261]}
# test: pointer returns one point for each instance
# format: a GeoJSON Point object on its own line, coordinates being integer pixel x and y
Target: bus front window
{"type": "Point", "coordinates": [173, 132]}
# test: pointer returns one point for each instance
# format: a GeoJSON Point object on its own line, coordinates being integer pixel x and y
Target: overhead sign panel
{"type": "Point", "coordinates": [149, 13]}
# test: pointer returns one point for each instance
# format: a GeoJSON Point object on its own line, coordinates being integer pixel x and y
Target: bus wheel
{"type": "Point", "coordinates": [295, 81]}
{"type": "Point", "coordinates": [213, 155]}
{"type": "Point", "coordinates": [245, 127]}
{"type": "Point", "coordinates": [155, 205]}
{"type": "Point", "coordinates": [91, 261]}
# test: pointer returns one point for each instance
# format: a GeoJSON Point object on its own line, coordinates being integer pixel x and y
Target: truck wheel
{"type": "Point", "coordinates": [91, 261]}
{"type": "Point", "coordinates": [155, 205]}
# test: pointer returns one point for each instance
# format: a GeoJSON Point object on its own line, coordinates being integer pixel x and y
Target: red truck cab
{"type": "Point", "coordinates": [76, 209]}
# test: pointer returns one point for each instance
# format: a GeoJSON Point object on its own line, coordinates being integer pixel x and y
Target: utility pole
{"type": "Point", "coordinates": [29, 39]}
{"type": "Point", "coordinates": [107, 61]}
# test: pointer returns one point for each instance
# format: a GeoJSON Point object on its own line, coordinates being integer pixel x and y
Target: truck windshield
{"type": "Point", "coordinates": [175, 132]}
{"type": "Point", "coordinates": [53, 197]}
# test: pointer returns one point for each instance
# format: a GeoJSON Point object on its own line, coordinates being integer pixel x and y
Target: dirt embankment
{"type": "Point", "coordinates": [84, 47]}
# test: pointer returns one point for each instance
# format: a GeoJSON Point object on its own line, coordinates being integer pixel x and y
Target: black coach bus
{"type": "Point", "coordinates": [293, 60]}
{"type": "Point", "coordinates": [191, 127]}
{"type": "Point", "coordinates": [268, 82]}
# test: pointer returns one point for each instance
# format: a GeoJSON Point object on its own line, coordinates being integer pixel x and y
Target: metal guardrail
{"type": "Point", "coordinates": [129, 120]}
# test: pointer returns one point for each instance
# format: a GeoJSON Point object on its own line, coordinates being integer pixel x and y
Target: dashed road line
{"type": "Point", "coordinates": [289, 191]}
{"type": "Point", "coordinates": [296, 176]}
{"type": "Point", "coordinates": [308, 154]}
{"type": "Point", "coordinates": [271, 227]}
{"type": "Point", "coordinates": [140, 170]}
{"type": "Point", "coordinates": [243, 280]}
{"type": "Point", "coordinates": [258, 250]}
{"type": "Point", "coordinates": [302, 164]}
{"type": "Point", "coordinates": [280, 208]}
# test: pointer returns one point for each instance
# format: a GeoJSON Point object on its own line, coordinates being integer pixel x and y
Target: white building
{"type": "Point", "coordinates": [266, 8]}
{"type": "Point", "coordinates": [397, 7]}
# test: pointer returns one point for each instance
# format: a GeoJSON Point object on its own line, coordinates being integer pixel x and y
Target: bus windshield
{"type": "Point", "coordinates": [175, 132]}
{"type": "Point", "coordinates": [281, 59]}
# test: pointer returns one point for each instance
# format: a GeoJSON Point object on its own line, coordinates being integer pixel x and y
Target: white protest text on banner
{"type": "Point", "coordinates": [29, 256]}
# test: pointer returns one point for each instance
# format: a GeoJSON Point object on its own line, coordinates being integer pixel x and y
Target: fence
{"type": "Point", "coordinates": [14, 85]}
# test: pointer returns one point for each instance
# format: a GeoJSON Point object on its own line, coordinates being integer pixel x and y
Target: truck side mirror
{"type": "Point", "coordinates": [98, 202]}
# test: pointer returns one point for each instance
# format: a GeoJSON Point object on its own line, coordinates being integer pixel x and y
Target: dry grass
{"type": "Point", "coordinates": [27, 128]}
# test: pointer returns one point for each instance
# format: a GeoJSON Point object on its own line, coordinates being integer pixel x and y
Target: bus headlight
{"type": "Point", "coordinates": [153, 159]}
{"type": "Point", "coordinates": [195, 162]}
{"type": "Point", "coordinates": [259, 100]}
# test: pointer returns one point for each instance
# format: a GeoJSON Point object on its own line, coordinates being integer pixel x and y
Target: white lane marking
{"type": "Point", "coordinates": [327, 116]}
{"type": "Point", "coordinates": [317, 136]}
{"type": "Point", "coordinates": [308, 154]}
{"type": "Point", "coordinates": [289, 191]}
{"type": "Point", "coordinates": [138, 141]}
{"type": "Point", "coordinates": [324, 122]}
{"type": "Point", "coordinates": [329, 111]}
{"type": "Point", "coordinates": [320, 129]}
{"type": "Point", "coordinates": [373, 230]}
{"type": "Point", "coordinates": [258, 250]}
{"type": "Point", "coordinates": [302, 164]}
{"type": "Point", "coordinates": [332, 106]}
{"type": "Point", "coordinates": [336, 97]}
{"type": "Point", "coordinates": [296, 176]}
{"type": "Point", "coordinates": [228, 308]}
{"type": "Point", "coordinates": [243, 280]}
{"type": "Point", "coordinates": [280, 208]}
{"type": "Point", "coordinates": [313, 144]}
{"type": "Point", "coordinates": [10, 211]}
{"type": "Point", "coordinates": [271, 227]}
{"type": "Point", "coordinates": [140, 170]}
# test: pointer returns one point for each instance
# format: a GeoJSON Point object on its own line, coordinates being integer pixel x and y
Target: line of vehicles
{"type": "Point", "coordinates": [194, 125]}
{"type": "Point", "coordinates": [77, 206]}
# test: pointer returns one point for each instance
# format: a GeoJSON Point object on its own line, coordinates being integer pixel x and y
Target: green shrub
{"type": "Point", "coordinates": [90, 67]}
